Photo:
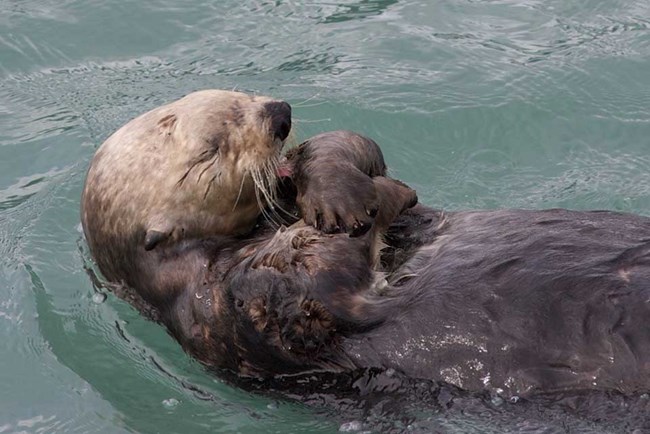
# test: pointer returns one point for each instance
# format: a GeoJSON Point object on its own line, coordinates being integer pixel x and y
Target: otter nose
{"type": "Point", "coordinates": [280, 114]}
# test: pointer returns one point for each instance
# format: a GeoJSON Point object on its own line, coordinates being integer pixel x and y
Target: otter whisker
{"type": "Point", "coordinates": [302, 104]}
{"type": "Point", "coordinates": [309, 105]}
{"type": "Point", "coordinates": [241, 187]}
{"type": "Point", "coordinates": [265, 214]}
{"type": "Point", "coordinates": [265, 185]}
{"type": "Point", "coordinates": [270, 170]}
{"type": "Point", "coordinates": [259, 182]}
{"type": "Point", "coordinates": [312, 121]}
{"type": "Point", "coordinates": [270, 181]}
{"type": "Point", "coordinates": [269, 196]}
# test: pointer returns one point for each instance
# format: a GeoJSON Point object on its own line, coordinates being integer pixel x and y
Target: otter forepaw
{"type": "Point", "coordinates": [345, 201]}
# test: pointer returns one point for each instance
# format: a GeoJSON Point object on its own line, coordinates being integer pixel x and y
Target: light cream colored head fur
{"type": "Point", "coordinates": [202, 165]}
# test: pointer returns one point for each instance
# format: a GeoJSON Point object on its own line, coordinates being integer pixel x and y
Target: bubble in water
{"type": "Point", "coordinates": [496, 400]}
{"type": "Point", "coordinates": [272, 406]}
{"type": "Point", "coordinates": [352, 426]}
{"type": "Point", "coordinates": [514, 399]}
{"type": "Point", "coordinates": [170, 403]}
{"type": "Point", "coordinates": [99, 297]}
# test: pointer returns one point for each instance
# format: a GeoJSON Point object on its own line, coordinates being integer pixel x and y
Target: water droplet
{"type": "Point", "coordinates": [99, 297]}
{"type": "Point", "coordinates": [496, 401]}
{"type": "Point", "coordinates": [352, 426]}
{"type": "Point", "coordinates": [170, 403]}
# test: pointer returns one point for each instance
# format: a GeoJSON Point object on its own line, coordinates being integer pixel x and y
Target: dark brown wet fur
{"type": "Point", "coordinates": [519, 302]}
{"type": "Point", "coordinates": [275, 302]}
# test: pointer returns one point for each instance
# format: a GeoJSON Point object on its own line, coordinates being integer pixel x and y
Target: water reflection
{"type": "Point", "coordinates": [358, 10]}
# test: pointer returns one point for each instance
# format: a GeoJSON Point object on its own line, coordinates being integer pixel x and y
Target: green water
{"type": "Point", "coordinates": [477, 104]}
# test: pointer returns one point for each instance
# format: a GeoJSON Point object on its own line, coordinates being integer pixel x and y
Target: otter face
{"type": "Point", "coordinates": [202, 165]}
{"type": "Point", "coordinates": [227, 155]}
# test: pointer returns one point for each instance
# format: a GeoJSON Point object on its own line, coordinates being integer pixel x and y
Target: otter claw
{"type": "Point", "coordinates": [372, 212]}
{"type": "Point", "coordinates": [360, 228]}
{"type": "Point", "coordinates": [153, 237]}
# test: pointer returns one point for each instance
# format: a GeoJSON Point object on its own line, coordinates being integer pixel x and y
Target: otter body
{"type": "Point", "coordinates": [513, 301]}
{"type": "Point", "coordinates": [517, 301]}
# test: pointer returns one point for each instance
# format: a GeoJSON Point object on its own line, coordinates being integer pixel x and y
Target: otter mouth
{"type": "Point", "coordinates": [284, 169]}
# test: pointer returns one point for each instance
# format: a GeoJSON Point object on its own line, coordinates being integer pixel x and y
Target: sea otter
{"type": "Point", "coordinates": [514, 301]}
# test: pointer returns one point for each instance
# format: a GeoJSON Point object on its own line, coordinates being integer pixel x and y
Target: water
{"type": "Point", "coordinates": [477, 104]}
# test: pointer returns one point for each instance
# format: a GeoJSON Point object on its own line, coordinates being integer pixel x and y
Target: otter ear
{"type": "Point", "coordinates": [167, 124]}
{"type": "Point", "coordinates": [153, 237]}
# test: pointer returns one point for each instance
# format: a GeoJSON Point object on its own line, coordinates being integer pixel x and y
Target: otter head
{"type": "Point", "coordinates": [203, 165]}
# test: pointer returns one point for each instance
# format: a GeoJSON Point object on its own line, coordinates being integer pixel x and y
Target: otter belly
{"type": "Point", "coordinates": [522, 301]}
